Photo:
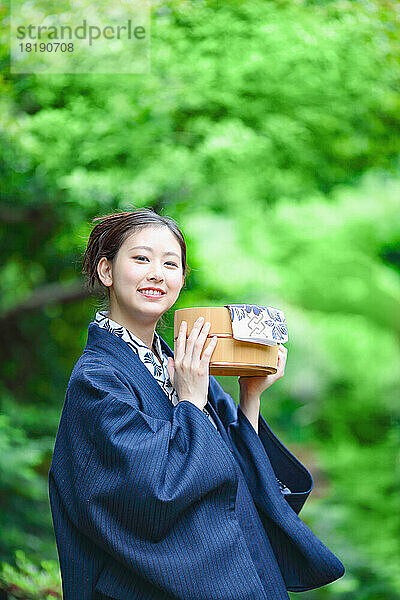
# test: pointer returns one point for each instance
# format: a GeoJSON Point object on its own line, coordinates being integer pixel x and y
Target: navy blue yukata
{"type": "Point", "coordinates": [151, 501]}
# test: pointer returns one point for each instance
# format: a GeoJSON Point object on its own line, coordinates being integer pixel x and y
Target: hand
{"type": "Point", "coordinates": [253, 387]}
{"type": "Point", "coordinates": [188, 373]}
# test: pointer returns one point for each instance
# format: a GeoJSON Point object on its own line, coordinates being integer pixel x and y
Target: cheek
{"type": "Point", "coordinates": [174, 280]}
{"type": "Point", "coordinates": [131, 273]}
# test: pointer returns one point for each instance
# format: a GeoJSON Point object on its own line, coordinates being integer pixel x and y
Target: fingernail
{"type": "Point", "coordinates": [200, 319]}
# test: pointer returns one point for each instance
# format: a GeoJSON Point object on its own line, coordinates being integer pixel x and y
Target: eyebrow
{"type": "Point", "coordinates": [151, 249]}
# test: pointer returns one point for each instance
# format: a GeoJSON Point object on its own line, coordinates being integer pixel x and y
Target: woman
{"type": "Point", "coordinates": [160, 487]}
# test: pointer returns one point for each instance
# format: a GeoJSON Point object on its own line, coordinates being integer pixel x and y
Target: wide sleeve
{"type": "Point", "coordinates": [257, 453]}
{"type": "Point", "coordinates": [157, 496]}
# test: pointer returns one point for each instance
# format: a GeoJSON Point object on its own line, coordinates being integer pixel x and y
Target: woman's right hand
{"type": "Point", "coordinates": [188, 372]}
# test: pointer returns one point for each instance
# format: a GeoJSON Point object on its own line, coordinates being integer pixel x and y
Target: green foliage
{"type": "Point", "coordinates": [299, 94]}
{"type": "Point", "coordinates": [28, 582]}
{"type": "Point", "coordinates": [24, 511]}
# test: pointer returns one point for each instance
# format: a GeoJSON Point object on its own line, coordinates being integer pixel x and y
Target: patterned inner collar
{"type": "Point", "coordinates": [104, 321]}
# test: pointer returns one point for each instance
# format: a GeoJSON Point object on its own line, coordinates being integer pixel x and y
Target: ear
{"type": "Point", "coordinates": [104, 271]}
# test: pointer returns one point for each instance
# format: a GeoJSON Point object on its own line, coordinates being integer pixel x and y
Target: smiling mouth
{"type": "Point", "coordinates": [149, 294]}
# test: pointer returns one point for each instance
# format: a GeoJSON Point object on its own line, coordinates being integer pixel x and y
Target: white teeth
{"type": "Point", "coordinates": [151, 292]}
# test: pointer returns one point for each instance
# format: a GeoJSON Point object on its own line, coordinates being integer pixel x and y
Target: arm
{"type": "Point", "coordinates": [304, 560]}
{"type": "Point", "coordinates": [151, 493]}
{"type": "Point", "coordinates": [258, 453]}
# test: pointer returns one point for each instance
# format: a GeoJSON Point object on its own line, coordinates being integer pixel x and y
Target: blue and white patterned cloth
{"type": "Point", "coordinates": [258, 324]}
{"type": "Point", "coordinates": [146, 355]}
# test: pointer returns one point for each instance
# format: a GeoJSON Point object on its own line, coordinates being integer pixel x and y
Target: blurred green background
{"type": "Point", "coordinates": [270, 130]}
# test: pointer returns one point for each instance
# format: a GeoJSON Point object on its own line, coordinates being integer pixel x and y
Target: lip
{"type": "Point", "coordinates": [150, 295]}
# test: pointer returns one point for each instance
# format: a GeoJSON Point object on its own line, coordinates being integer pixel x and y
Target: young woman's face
{"type": "Point", "coordinates": [150, 258]}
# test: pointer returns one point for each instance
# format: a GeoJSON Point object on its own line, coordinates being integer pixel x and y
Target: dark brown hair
{"type": "Point", "coordinates": [108, 235]}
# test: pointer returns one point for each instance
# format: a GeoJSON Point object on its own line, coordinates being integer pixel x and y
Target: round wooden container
{"type": "Point", "coordinates": [230, 356]}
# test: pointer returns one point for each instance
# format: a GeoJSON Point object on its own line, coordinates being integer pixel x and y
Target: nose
{"type": "Point", "coordinates": [155, 274]}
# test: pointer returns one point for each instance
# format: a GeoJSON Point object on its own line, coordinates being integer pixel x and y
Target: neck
{"type": "Point", "coordinates": [144, 331]}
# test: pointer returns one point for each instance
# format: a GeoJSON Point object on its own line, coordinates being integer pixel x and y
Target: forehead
{"type": "Point", "coordinates": [158, 238]}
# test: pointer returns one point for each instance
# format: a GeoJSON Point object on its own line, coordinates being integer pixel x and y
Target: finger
{"type": "Point", "coordinates": [281, 365]}
{"type": "Point", "coordinates": [205, 359]}
{"type": "Point", "coordinates": [180, 342]}
{"type": "Point", "coordinates": [192, 338]}
{"type": "Point", "coordinates": [284, 355]}
{"type": "Point", "coordinates": [199, 343]}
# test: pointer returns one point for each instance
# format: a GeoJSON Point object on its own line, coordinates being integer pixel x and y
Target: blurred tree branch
{"type": "Point", "coordinates": [57, 292]}
{"type": "Point", "coordinates": [9, 214]}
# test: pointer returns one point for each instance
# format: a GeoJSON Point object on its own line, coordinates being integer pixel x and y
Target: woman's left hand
{"type": "Point", "coordinates": [253, 387]}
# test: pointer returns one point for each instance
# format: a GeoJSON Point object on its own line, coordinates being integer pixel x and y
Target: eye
{"type": "Point", "coordinates": [145, 257]}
